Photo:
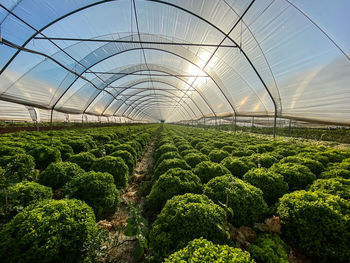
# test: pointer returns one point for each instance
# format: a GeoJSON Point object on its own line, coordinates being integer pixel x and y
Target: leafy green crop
{"type": "Point", "coordinates": [195, 158]}
{"type": "Point", "coordinates": [167, 164]}
{"type": "Point", "coordinates": [315, 166]}
{"type": "Point", "coordinates": [48, 231]}
{"type": "Point", "coordinates": [317, 224]}
{"type": "Point", "coordinates": [245, 200]}
{"type": "Point", "coordinates": [44, 155]}
{"type": "Point", "coordinates": [57, 174]}
{"type": "Point", "coordinates": [296, 175]}
{"type": "Point", "coordinates": [127, 158]}
{"type": "Point", "coordinates": [334, 186]}
{"type": "Point", "coordinates": [183, 218]}
{"type": "Point", "coordinates": [335, 172]}
{"type": "Point", "coordinates": [165, 148]}
{"type": "Point", "coordinates": [21, 195]}
{"type": "Point", "coordinates": [84, 160]}
{"type": "Point", "coordinates": [236, 166]}
{"type": "Point", "coordinates": [168, 155]}
{"type": "Point", "coordinates": [96, 189]}
{"type": "Point", "coordinates": [19, 167]}
{"type": "Point", "coordinates": [208, 170]}
{"type": "Point", "coordinates": [269, 248]}
{"type": "Point", "coordinates": [115, 166]}
{"type": "Point", "coordinates": [271, 184]}
{"type": "Point", "coordinates": [203, 251]}
{"type": "Point", "coordinates": [217, 155]}
{"type": "Point", "coordinates": [174, 182]}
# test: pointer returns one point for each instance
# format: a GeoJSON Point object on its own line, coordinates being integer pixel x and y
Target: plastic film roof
{"type": "Point", "coordinates": [175, 60]}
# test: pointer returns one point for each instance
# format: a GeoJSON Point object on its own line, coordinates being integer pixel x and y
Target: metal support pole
{"type": "Point", "coordinates": [51, 117]}
{"type": "Point", "coordinates": [274, 125]}
{"type": "Point", "coordinates": [37, 125]}
{"type": "Point", "coordinates": [235, 122]}
{"type": "Point", "coordinates": [252, 127]}
{"type": "Point", "coordinates": [290, 128]}
{"type": "Point", "coordinates": [82, 120]}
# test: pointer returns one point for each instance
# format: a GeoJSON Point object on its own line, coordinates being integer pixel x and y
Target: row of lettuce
{"type": "Point", "coordinates": [207, 183]}
{"type": "Point", "coordinates": [333, 134]}
{"type": "Point", "coordinates": [55, 185]}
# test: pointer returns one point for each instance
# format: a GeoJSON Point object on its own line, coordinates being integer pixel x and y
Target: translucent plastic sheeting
{"type": "Point", "coordinates": [176, 60]}
{"type": "Point", "coordinates": [13, 112]}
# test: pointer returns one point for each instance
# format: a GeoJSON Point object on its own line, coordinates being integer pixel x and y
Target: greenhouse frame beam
{"type": "Point", "coordinates": [148, 98]}
{"type": "Point", "coordinates": [21, 48]}
{"type": "Point", "coordinates": [191, 86]}
{"type": "Point", "coordinates": [170, 52]}
{"type": "Point", "coordinates": [222, 41]}
{"type": "Point", "coordinates": [139, 111]}
{"type": "Point", "coordinates": [135, 42]}
{"type": "Point", "coordinates": [240, 48]}
{"type": "Point", "coordinates": [12, 45]}
{"type": "Point", "coordinates": [126, 74]}
{"type": "Point", "coordinates": [151, 103]}
{"type": "Point", "coordinates": [156, 81]}
{"type": "Point", "coordinates": [128, 106]}
{"type": "Point", "coordinates": [80, 9]}
{"type": "Point", "coordinates": [141, 101]}
{"type": "Point", "coordinates": [181, 113]}
{"type": "Point", "coordinates": [135, 88]}
{"type": "Point", "coordinates": [161, 106]}
{"type": "Point", "coordinates": [157, 1]}
{"type": "Point", "coordinates": [145, 81]}
{"type": "Point", "coordinates": [39, 31]}
{"type": "Point", "coordinates": [133, 4]}
{"type": "Point", "coordinates": [147, 74]}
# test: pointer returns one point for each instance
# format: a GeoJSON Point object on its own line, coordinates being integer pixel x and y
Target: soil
{"type": "Point", "coordinates": [124, 253]}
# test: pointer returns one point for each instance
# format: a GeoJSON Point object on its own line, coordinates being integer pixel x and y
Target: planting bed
{"type": "Point", "coordinates": [166, 193]}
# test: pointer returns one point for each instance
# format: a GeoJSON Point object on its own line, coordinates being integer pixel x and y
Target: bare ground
{"type": "Point", "coordinates": [115, 223]}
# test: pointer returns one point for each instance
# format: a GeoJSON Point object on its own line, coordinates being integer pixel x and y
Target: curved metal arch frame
{"type": "Point", "coordinates": [128, 106]}
{"type": "Point", "coordinates": [167, 91]}
{"type": "Point", "coordinates": [182, 57]}
{"type": "Point", "coordinates": [164, 100]}
{"type": "Point", "coordinates": [154, 81]}
{"type": "Point", "coordinates": [152, 102]}
{"type": "Point", "coordinates": [166, 70]}
{"type": "Point", "coordinates": [162, 105]}
{"type": "Point", "coordinates": [161, 50]}
{"type": "Point", "coordinates": [146, 99]}
{"type": "Point", "coordinates": [143, 98]}
{"type": "Point", "coordinates": [158, 104]}
{"type": "Point", "coordinates": [12, 45]}
{"type": "Point", "coordinates": [80, 9]}
{"type": "Point", "coordinates": [232, 40]}
{"type": "Point", "coordinates": [117, 53]}
{"type": "Point", "coordinates": [157, 1]}
{"type": "Point", "coordinates": [82, 66]}
{"type": "Point", "coordinates": [188, 84]}
{"type": "Point", "coordinates": [126, 74]}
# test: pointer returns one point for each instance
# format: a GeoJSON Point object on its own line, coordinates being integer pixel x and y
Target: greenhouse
{"type": "Point", "coordinates": [174, 131]}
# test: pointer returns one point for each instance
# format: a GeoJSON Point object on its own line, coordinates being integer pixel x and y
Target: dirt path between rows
{"type": "Point", "coordinates": [124, 251]}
